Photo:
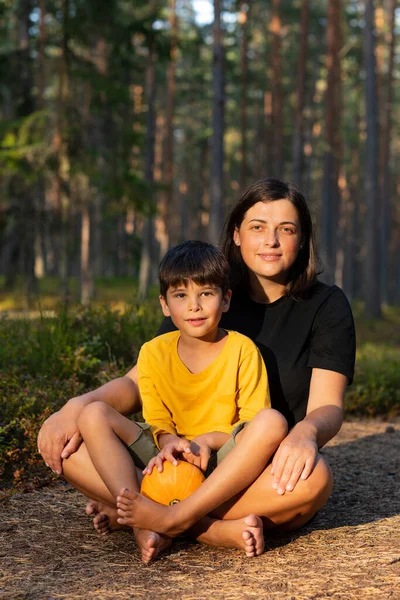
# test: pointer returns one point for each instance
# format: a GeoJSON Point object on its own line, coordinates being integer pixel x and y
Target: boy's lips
{"type": "Point", "coordinates": [198, 321]}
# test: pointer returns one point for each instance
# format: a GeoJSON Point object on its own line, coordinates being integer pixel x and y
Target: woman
{"type": "Point", "coordinates": [305, 332]}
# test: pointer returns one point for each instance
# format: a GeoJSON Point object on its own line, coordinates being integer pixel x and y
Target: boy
{"type": "Point", "coordinates": [200, 386]}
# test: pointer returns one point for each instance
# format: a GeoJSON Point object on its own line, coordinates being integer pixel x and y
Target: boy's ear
{"type": "Point", "coordinates": [226, 301]}
{"type": "Point", "coordinates": [164, 306]}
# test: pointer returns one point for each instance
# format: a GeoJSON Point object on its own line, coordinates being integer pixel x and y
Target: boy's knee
{"type": "Point", "coordinates": [91, 414]}
{"type": "Point", "coordinates": [271, 420]}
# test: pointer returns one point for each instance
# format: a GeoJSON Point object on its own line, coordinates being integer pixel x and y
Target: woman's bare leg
{"type": "Point", "coordinates": [278, 512]}
{"type": "Point", "coordinates": [240, 468]}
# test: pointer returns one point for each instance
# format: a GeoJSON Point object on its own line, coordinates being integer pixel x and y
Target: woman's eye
{"type": "Point", "coordinates": [256, 228]}
{"type": "Point", "coordinates": [288, 230]}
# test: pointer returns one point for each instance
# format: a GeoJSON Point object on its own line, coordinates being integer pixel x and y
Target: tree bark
{"type": "Point", "coordinates": [217, 144]}
{"type": "Point", "coordinates": [384, 170]}
{"type": "Point", "coordinates": [330, 187]}
{"type": "Point", "coordinates": [298, 136]}
{"type": "Point", "coordinates": [243, 21]}
{"type": "Point", "coordinates": [372, 291]}
{"type": "Point", "coordinates": [147, 256]}
{"type": "Point", "coordinates": [277, 99]}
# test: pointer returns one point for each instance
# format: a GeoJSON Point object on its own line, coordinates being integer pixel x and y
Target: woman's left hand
{"type": "Point", "coordinates": [294, 460]}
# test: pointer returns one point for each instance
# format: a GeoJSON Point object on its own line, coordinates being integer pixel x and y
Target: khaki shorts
{"type": "Point", "coordinates": [144, 448]}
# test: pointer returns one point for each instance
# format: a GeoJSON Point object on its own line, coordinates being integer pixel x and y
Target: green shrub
{"type": "Point", "coordinates": [47, 361]}
{"type": "Point", "coordinates": [376, 387]}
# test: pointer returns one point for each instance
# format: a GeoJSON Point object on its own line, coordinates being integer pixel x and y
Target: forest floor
{"type": "Point", "coordinates": [351, 550]}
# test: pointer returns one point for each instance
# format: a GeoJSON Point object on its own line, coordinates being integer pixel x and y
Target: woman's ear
{"type": "Point", "coordinates": [164, 306]}
{"type": "Point", "coordinates": [236, 237]}
{"type": "Point", "coordinates": [226, 300]}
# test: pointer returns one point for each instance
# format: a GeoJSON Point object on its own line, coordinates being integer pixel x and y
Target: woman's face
{"type": "Point", "coordinates": [269, 238]}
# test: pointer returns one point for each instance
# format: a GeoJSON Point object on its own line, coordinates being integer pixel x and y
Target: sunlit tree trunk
{"type": "Point", "coordinates": [243, 21]}
{"type": "Point", "coordinates": [384, 170]}
{"type": "Point", "coordinates": [61, 150]}
{"type": "Point", "coordinates": [217, 144]}
{"type": "Point", "coordinates": [277, 99]}
{"type": "Point", "coordinates": [330, 187]}
{"type": "Point", "coordinates": [298, 136]}
{"type": "Point", "coordinates": [372, 288]}
{"type": "Point", "coordinates": [166, 203]}
{"type": "Point", "coordinates": [147, 255]}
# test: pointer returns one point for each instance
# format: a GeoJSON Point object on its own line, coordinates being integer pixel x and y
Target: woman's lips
{"type": "Point", "coordinates": [270, 257]}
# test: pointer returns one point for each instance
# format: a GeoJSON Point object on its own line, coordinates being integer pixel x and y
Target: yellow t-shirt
{"type": "Point", "coordinates": [232, 389]}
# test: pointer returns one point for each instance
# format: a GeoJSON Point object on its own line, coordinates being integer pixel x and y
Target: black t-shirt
{"type": "Point", "coordinates": [294, 336]}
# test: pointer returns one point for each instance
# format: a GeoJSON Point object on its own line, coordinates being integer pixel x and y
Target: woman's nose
{"type": "Point", "coordinates": [271, 238]}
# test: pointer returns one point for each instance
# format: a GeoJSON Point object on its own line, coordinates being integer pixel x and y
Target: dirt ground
{"type": "Point", "coordinates": [351, 550]}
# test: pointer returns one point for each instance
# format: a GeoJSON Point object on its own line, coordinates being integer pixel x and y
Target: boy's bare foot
{"type": "Point", "coordinates": [151, 544]}
{"type": "Point", "coordinates": [137, 511]}
{"type": "Point", "coordinates": [105, 517]}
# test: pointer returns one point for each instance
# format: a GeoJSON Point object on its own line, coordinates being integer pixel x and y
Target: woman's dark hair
{"type": "Point", "coordinates": [198, 261]}
{"type": "Point", "coordinates": [305, 270]}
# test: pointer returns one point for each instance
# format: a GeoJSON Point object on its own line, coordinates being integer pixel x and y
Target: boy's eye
{"type": "Point", "coordinates": [179, 295]}
{"type": "Point", "coordinates": [207, 293]}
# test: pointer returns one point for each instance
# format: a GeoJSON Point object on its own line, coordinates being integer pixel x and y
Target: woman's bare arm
{"type": "Point", "coordinates": [296, 456]}
{"type": "Point", "coordinates": [59, 436]}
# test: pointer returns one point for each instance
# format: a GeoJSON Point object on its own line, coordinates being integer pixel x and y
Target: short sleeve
{"type": "Point", "coordinates": [155, 413]}
{"type": "Point", "coordinates": [333, 339]}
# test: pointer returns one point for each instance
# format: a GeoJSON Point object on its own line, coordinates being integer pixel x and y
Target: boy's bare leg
{"type": "Point", "coordinates": [240, 468]}
{"type": "Point", "coordinates": [110, 463]}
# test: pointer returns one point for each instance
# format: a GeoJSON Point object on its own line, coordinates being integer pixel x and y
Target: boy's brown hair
{"type": "Point", "coordinates": [197, 261]}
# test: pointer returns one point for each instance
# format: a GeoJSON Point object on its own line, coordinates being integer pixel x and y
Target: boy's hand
{"type": "Point", "coordinates": [200, 452]}
{"type": "Point", "coordinates": [169, 452]}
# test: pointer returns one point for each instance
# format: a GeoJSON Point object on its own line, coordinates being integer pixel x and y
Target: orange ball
{"type": "Point", "coordinates": [173, 484]}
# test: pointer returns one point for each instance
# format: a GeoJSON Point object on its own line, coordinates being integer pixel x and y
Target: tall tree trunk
{"type": "Point", "coordinates": [61, 149]}
{"type": "Point", "coordinates": [217, 144]}
{"type": "Point", "coordinates": [243, 21]}
{"type": "Point", "coordinates": [298, 136]}
{"type": "Point", "coordinates": [26, 107]}
{"type": "Point", "coordinates": [166, 204]}
{"type": "Point", "coordinates": [330, 187]}
{"type": "Point", "coordinates": [147, 255]}
{"type": "Point", "coordinates": [372, 275]}
{"type": "Point", "coordinates": [277, 99]}
{"type": "Point", "coordinates": [384, 170]}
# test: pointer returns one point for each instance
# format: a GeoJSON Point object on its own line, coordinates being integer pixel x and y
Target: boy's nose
{"type": "Point", "coordinates": [195, 304]}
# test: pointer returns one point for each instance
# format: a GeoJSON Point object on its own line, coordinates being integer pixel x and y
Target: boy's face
{"type": "Point", "coordinates": [195, 309]}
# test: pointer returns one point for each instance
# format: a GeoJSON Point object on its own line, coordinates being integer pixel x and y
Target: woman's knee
{"type": "Point", "coordinates": [319, 484]}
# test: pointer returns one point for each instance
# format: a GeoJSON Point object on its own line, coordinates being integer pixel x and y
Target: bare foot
{"type": "Point", "coordinates": [151, 544]}
{"type": "Point", "coordinates": [246, 534]}
{"type": "Point", "coordinates": [137, 511]}
{"type": "Point", "coordinates": [105, 517]}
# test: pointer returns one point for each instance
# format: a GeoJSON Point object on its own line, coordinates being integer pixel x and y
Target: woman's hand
{"type": "Point", "coordinates": [170, 451]}
{"type": "Point", "coordinates": [294, 459]}
{"type": "Point", "coordinates": [58, 438]}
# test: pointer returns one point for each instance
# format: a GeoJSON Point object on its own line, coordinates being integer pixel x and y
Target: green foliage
{"type": "Point", "coordinates": [376, 388]}
{"type": "Point", "coordinates": [47, 361]}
